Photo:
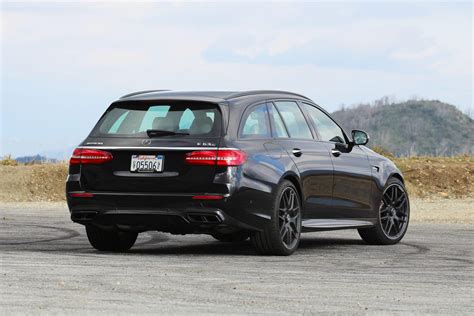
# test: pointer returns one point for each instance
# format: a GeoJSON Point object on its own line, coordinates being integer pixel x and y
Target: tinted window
{"type": "Point", "coordinates": [294, 119]}
{"type": "Point", "coordinates": [327, 129]}
{"type": "Point", "coordinates": [133, 119]}
{"type": "Point", "coordinates": [154, 112]}
{"type": "Point", "coordinates": [279, 129]}
{"type": "Point", "coordinates": [255, 123]}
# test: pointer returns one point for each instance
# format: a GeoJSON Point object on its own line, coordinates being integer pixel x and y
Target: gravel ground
{"type": "Point", "coordinates": [47, 266]}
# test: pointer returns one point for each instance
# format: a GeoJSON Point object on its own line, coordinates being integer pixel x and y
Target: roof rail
{"type": "Point", "coordinates": [140, 92]}
{"type": "Point", "coordinates": [251, 92]}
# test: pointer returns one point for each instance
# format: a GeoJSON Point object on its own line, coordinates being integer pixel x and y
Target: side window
{"type": "Point", "coordinates": [255, 124]}
{"type": "Point", "coordinates": [279, 129]}
{"type": "Point", "coordinates": [294, 119]}
{"type": "Point", "coordinates": [327, 129]}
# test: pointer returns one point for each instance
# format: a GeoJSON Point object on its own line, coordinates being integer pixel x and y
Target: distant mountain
{"type": "Point", "coordinates": [415, 127]}
{"type": "Point", "coordinates": [59, 154]}
{"type": "Point", "coordinates": [37, 159]}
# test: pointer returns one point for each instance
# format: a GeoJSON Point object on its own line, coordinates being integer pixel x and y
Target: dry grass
{"type": "Point", "coordinates": [426, 177]}
{"type": "Point", "coordinates": [8, 161]}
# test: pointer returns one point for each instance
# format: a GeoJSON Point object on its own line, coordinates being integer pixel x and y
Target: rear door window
{"type": "Point", "coordinates": [294, 119]}
{"type": "Point", "coordinates": [133, 119]}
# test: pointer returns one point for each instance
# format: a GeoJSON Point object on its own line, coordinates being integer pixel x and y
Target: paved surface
{"type": "Point", "coordinates": [47, 266]}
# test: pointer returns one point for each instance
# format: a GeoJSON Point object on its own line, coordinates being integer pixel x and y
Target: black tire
{"type": "Point", "coordinates": [113, 240]}
{"type": "Point", "coordinates": [392, 218]}
{"type": "Point", "coordinates": [282, 235]}
{"type": "Point", "coordinates": [236, 237]}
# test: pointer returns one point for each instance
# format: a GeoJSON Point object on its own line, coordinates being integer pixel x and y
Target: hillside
{"type": "Point", "coordinates": [35, 159]}
{"type": "Point", "coordinates": [415, 127]}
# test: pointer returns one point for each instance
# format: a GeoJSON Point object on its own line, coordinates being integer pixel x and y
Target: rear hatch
{"type": "Point", "coordinates": [152, 146]}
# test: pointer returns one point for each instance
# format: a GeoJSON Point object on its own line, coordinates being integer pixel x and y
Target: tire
{"type": "Point", "coordinates": [236, 237]}
{"type": "Point", "coordinates": [392, 218]}
{"type": "Point", "coordinates": [114, 240]}
{"type": "Point", "coordinates": [282, 235]}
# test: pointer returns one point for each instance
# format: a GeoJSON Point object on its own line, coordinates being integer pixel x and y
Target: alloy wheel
{"type": "Point", "coordinates": [289, 218]}
{"type": "Point", "coordinates": [394, 211]}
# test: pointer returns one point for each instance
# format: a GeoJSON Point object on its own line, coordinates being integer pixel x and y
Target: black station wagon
{"type": "Point", "coordinates": [264, 165]}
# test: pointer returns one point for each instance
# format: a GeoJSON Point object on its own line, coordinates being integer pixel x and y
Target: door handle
{"type": "Point", "coordinates": [335, 152]}
{"type": "Point", "coordinates": [297, 152]}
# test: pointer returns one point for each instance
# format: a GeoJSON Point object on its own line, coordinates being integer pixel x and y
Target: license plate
{"type": "Point", "coordinates": [147, 163]}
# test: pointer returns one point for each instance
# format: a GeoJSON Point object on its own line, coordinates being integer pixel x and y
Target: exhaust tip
{"type": "Point", "coordinates": [204, 218]}
{"type": "Point", "coordinates": [83, 216]}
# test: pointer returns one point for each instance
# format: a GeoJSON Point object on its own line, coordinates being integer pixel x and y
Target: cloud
{"type": "Point", "coordinates": [63, 63]}
{"type": "Point", "coordinates": [403, 44]}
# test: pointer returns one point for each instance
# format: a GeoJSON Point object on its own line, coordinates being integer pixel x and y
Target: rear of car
{"type": "Point", "coordinates": [155, 164]}
{"type": "Point", "coordinates": [232, 165]}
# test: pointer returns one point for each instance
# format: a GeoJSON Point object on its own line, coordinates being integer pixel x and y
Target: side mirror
{"type": "Point", "coordinates": [360, 137]}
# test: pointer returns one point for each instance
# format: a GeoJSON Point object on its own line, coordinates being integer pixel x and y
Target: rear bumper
{"type": "Point", "coordinates": [174, 213]}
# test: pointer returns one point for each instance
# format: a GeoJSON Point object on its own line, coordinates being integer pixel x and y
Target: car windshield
{"type": "Point", "coordinates": [170, 119]}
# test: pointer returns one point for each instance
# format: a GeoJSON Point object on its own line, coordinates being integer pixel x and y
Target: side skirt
{"type": "Point", "coordinates": [310, 225]}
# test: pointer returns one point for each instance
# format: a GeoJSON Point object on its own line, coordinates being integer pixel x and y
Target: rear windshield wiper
{"type": "Point", "coordinates": [158, 133]}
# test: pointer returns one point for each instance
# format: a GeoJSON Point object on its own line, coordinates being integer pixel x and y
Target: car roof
{"type": "Point", "coordinates": [207, 96]}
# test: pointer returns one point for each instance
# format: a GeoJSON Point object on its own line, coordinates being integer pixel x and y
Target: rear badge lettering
{"type": "Point", "coordinates": [206, 144]}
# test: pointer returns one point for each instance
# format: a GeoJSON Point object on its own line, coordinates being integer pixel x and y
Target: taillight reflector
{"type": "Point", "coordinates": [208, 197]}
{"type": "Point", "coordinates": [89, 156]}
{"type": "Point", "coordinates": [223, 157]}
{"type": "Point", "coordinates": [81, 194]}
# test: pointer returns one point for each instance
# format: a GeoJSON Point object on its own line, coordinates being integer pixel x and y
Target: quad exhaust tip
{"type": "Point", "coordinates": [204, 218]}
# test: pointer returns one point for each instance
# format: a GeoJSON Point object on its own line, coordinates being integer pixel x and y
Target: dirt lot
{"type": "Point", "coordinates": [48, 267]}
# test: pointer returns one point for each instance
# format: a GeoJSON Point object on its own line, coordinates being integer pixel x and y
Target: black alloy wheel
{"type": "Point", "coordinates": [289, 218]}
{"type": "Point", "coordinates": [394, 211]}
{"type": "Point", "coordinates": [283, 232]}
{"type": "Point", "coordinates": [393, 217]}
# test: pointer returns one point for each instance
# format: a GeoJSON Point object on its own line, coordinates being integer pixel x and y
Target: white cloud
{"type": "Point", "coordinates": [334, 53]}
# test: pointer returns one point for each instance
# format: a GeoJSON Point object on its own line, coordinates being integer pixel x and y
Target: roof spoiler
{"type": "Point", "coordinates": [140, 92]}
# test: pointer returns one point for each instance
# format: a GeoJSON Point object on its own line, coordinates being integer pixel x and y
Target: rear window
{"type": "Point", "coordinates": [133, 119]}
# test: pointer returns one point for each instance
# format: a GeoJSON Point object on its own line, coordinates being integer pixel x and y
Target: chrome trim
{"type": "Point", "coordinates": [336, 152]}
{"type": "Point", "coordinates": [263, 216]}
{"type": "Point", "coordinates": [158, 148]}
{"type": "Point", "coordinates": [336, 223]}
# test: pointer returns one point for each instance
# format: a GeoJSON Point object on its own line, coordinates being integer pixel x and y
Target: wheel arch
{"type": "Point", "coordinates": [294, 179]}
{"type": "Point", "coordinates": [396, 175]}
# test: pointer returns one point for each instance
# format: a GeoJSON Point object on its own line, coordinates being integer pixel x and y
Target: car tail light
{"type": "Point", "coordinates": [89, 156]}
{"type": "Point", "coordinates": [223, 157]}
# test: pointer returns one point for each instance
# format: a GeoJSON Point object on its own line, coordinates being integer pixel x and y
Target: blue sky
{"type": "Point", "coordinates": [63, 63]}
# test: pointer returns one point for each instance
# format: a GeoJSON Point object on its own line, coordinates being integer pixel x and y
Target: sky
{"type": "Point", "coordinates": [63, 63]}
